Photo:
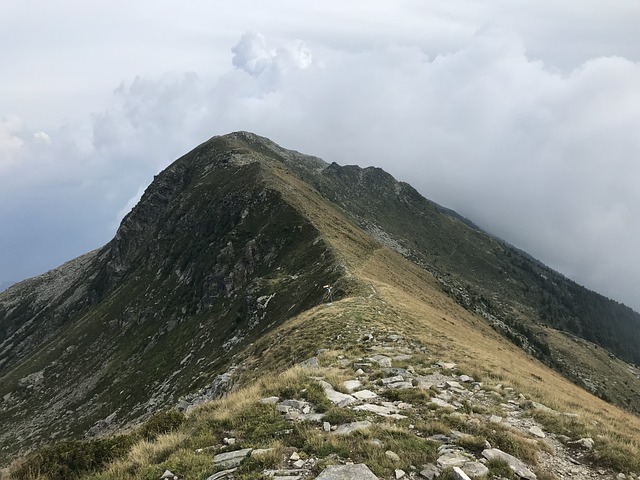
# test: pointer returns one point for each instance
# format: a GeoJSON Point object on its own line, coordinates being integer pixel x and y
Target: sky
{"type": "Point", "coordinates": [522, 116]}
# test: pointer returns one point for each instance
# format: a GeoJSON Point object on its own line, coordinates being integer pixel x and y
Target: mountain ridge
{"type": "Point", "coordinates": [230, 242]}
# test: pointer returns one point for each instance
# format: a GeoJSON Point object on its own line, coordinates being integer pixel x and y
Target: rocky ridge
{"type": "Point", "coordinates": [472, 429]}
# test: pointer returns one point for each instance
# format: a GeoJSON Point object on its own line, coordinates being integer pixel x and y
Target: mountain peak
{"type": "Point", "coordinates": [238, 243]}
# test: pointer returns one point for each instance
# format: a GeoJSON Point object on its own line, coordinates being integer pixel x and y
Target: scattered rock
{"type": "Point", "coordinates": [399, 473]}
{"type": "Point", "coordinates": [381, 360]}
{"type": "Point", "coordinates": [338, 398]}
{"type": "Point", "coordinates": [311, 363]}
{"type": "Point", "coordinates": [348, 428]}
{"type": "Point", "coordinates": [168, 475]}
{"type": "Point", "coordinates": [453, 459]}
{"type": "Point", "coordinates": [364, 395]}
{"type": "Point", "coordinates": [475, 469]}
{"type": "Point", "coordinates": [430, 472]}
{"type": "Point", "coordinates": [458, 474]}
{"type": "Point", "coordinates": [231, 459]}
{"type": "Point", "coordinates": [357, 471]}
{"type": "Point", "coordinates": [586, 443]}
{"type": "Point", "coordinates": [351, 385]}
{"type": "Point", "coordinates": [518, 467]}
{"type": "Point", "coordinates": [222, 474]}
{"type": "Point", "coordinates": [537, 432]}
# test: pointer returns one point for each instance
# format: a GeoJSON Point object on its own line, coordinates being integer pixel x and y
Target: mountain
{"type": "Point", "coordinates": [217, 278]}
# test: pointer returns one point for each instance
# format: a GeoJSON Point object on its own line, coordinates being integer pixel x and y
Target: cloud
{"type": "Point", "coordinates": [545, 158]}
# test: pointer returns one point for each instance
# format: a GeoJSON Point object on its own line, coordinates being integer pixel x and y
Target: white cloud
{"type": "Point", "coordinates": [542, 153]}
{"type": "Point", "coordinates": [42, 137]}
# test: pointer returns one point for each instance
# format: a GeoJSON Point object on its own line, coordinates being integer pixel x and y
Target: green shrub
{"type": "Point", "coordinates": [162, 422]}
{"type": "Point", "coordinates": [70, 459]}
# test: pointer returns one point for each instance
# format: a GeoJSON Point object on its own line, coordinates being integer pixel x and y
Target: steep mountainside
{"type": "Point", "coordinates": [228, 248]}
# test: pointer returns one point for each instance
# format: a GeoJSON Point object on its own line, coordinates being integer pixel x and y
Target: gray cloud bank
{"type": "Point", "coordinates": [543, 156]}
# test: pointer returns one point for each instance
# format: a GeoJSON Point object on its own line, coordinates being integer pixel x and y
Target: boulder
{"type": "Point", "coordinates": [357, 471]}
{"type": "Point", "coordinates": [458, 474]}
{"type": "Point", "coordinates": [348, 428]}
{"type": "Point", "coordinates": [518, 467]}
{"type": "Point", "coordinates": [231, 459]}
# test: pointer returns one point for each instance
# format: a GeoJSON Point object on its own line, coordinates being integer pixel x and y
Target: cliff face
{"type": "Point", "coordinates": [228, 244]}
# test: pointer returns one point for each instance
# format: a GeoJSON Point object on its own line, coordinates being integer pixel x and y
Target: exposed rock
{"type": "Point", "coordinates": [458, 474]}
{"type": "Point", "coordinates": [518, 467]}
{"type": "Point", "coordinates": [222, 474]}
{"type": "Point", "coordinates": [312, 362]}
{"type": "Point", "coordinates": [347, 472]}
{"type": "Point", "coordinates": [453, 459]}
{"type": "Point", "coordinates": [381, 360]}
{"type": "Point", "coordinates": [338, 398]}
{"type": "Point", "coordinates": [441, 403]}
{"type": "Point", "coordinates": [231, 459]}
{"type": "Point", "coordinates": [364, 395]}
{"type": "Point", "coordinates": [351, 385]}
{"type": "Point", "coordinates": [586, 443]}
{"type": "Point", "coordinates": [168, 475]}
{"type": "Point", "coordinates": [269, 400]}
{"type": "Point", "coordinates": [429, 472]}
{"type": "Point", "coordinates": [394, 379]}
{"type": "Point", "coordinates": [475, 469]}
{"type": "Point", "coordinates": [348, 428]}
{"type": "Point", "coordinates": [259, 452]}
{"type": "Point", "coordinates": [537, 432]}
{"type": "Point", "coordinates": [399, 473]}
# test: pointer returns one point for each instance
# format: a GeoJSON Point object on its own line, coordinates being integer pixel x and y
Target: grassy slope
{"type": "Point", "coordinates": [384, 292]}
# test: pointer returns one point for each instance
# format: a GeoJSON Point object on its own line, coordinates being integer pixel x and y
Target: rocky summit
{"type": "Point", "coordinates": [262, 313]}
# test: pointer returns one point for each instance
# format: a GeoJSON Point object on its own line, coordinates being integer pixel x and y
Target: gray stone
{"type": "Point", "coordinates": [364, 395]}
{"type": "Point", "coordinates": [441, 403]}
{"type": "Point", "coordinates": [381, 410]}
{"type": "Point", "coordinates": [399, 385]}
{"type": "Point", "coordinates": [348, 428]}
{"type": "Point", "coordinates": [222, 474]}
{"type": "Point", "coordinates": [586, 443]}
{"type": "Point", "coordinates": [394, 379]}
{"type": "Point", "coordinates": [326, 426]}
{"type": "Point", "coordinates": [338, 398]}
{"type": "Point", "coordinates": [447, 365]}
{"type": "Point", "coordinates": [475, 469]}
{"type": "Point", "coordinates": [298, 463]}
{"type": "Point", "coordinates": [458, 474]}
{"type": "Point", "coordinates": [537, 432]}
{"type": "Point", "coordinates": [261, 452]}
{"type": "Point", "coordinates": [269, 400]}
{"type": "Point", "coordinates": [168, 475]}
{"type": "Point", "coordinates": [231, 459]}
{"type": "Point", "coordinates": [518, 467]}
{"type": "Point", "coordinates": [297, 404]}
{"type": "Point", "coordinates": [311, 363]}
{"type": "Point", "coordinates": [430, 472]}
{"type": "Point", "coordinates": [393, 456]}
{"type": "Point", "coordinates": [465, 379]}
{"type": "Point", "coordinates": [495, 419]}
{"type": "Point", "coordinates": [452, 459]}
{"type": "Point", "coordinates": [381, 360]}
{"type": "Point", "coordinates": [351, 385]}
{"type": "Point", "coordinates": [358, 471]}
{"type": "Point", "coordinates": [399, 473]}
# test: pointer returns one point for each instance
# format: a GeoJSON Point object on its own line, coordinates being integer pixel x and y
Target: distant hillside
{"type": "Point", "coordinates": [238, 239]}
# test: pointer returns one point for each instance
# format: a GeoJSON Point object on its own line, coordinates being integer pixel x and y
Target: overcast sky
{"type": "Point", "coordinates": [523, 116]}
